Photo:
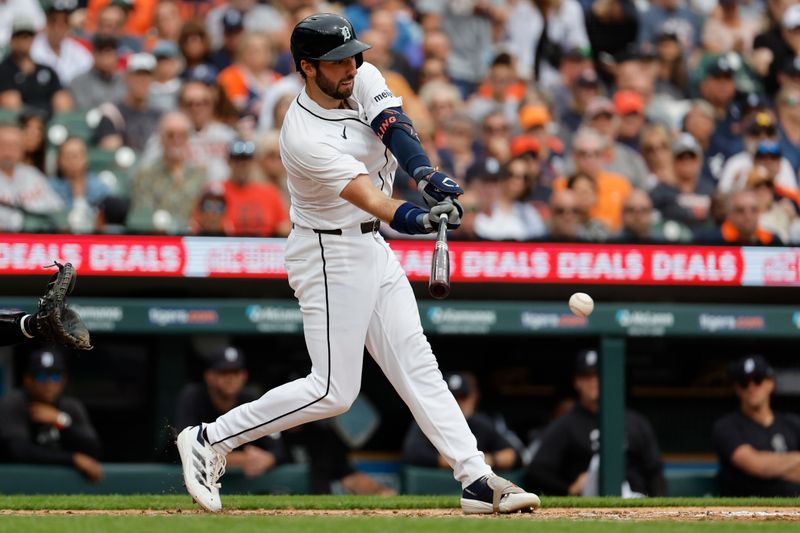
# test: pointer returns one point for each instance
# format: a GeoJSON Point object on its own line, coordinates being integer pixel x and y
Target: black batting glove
{"type": "Point", "coordinates": [436, 186]}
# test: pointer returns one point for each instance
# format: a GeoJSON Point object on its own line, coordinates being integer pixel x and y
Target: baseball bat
{"type": "Point", "coordinates": [439, 284]}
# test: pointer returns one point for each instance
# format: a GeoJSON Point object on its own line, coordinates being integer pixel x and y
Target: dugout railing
{"type": "Point", "coordinates": [611, 327]}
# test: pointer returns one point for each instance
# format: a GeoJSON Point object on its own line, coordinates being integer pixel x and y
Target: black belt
{"type": "Point", "coordinates": [366, 227]}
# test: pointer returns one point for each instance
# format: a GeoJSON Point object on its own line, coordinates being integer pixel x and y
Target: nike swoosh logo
{"type": "Point", "coordinates": [344, 132]}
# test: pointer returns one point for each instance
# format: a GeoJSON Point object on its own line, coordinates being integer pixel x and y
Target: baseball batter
{"type": "Point", "coordinates": [341, 142]}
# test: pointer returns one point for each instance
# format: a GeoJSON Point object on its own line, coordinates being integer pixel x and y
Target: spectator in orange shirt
{"type": "Point", "coordinates": [535, 121]}
{"type": "Point", "coordinates": [252, 207]}
{"type": "Point", "coordinates": [245, 81]}
{"type": "Point", "coordinates": [167, 24]}
{"type": "Point", "coordinates": [111, 20]}
{"type": "Point", "coordinates": [139, 14]}
{"type": "Point", "coordinates": [588, 150]}
{"type": "Point", "coordinates": [741, 224]}
{"type": "Point", "coordinates": [502, 89]}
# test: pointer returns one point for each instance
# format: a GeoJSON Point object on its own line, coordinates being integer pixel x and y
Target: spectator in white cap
{"type": "Point", "coordinates": [131, 121]}
{"type": "Point", "coordinates": [25, 82]}
{"type": "Point", "coordinates": [10, 9]}
{"type": "Point", "coordinates": [54, 46]}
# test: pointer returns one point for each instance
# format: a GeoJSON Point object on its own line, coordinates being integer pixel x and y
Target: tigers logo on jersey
{"type": "Point", "coordinates": [346, 33]}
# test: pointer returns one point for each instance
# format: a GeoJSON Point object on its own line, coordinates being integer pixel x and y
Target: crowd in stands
{"type": "Point", "coordinates": [567, 120]}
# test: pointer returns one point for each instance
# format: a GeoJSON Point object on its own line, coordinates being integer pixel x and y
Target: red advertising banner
{"type": "Point", "coordinates": [93, 254]}
{"type": "Point", "coordinates": [477, 262]}
{"type": "Point", "coordinates": [571, 263]}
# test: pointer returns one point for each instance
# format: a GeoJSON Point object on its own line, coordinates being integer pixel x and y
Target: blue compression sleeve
{"type": "Point", "coordinates": [397, 133]}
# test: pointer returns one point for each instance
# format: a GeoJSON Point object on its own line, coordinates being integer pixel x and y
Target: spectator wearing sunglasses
{"type": "Point", "coordinates": [761, 148]}
{"type": "Point", "coordinates": [759, 449]}
{"type": "Point", "coordinates": [777, 208]}
{"type": "Point", "coordinates": [564, 217]}
{"type": "Point", "coordinates": [43, 426]}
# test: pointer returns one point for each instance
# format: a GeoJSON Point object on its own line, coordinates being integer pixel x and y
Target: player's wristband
{"type": "Point", "coordinates": [421, 172]}
{"type": "Point", "coordinates": [407, 219]}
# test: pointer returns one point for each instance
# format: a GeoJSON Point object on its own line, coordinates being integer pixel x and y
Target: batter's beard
{"type": "Point", "coordinates": [331, 88]}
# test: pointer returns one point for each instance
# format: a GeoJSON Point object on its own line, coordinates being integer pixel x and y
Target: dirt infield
{"type": "Point", "coordinates": [682, 514]}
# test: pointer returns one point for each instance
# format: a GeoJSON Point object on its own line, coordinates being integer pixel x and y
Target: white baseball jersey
{"type": "Point", "coordinates": [351, 289]}
{"type": "Point", "coordinates": [323, 149]}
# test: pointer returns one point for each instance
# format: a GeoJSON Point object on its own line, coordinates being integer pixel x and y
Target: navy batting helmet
{"type": "Point", "coordinates": [326, 37]}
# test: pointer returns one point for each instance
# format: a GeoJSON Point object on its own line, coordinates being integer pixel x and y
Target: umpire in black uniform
{"type": "Point", "coordinates": [561, 463]}
{"type": "Point", "coordinates": [759, 449]}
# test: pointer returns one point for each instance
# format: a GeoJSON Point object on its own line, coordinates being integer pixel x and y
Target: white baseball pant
{"type": "Point", "coordinates": [353, 292]}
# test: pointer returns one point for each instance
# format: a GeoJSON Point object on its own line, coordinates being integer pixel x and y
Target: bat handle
{"type": "Point", "coordinates": [443, 220]}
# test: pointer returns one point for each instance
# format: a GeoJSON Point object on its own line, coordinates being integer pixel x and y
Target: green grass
{"type": "Point", "coordinates": [361, 524]}
{"type": "Point", "coordinates": [177, 522]}
{"type": "Point", "coordinates": [175, 502]}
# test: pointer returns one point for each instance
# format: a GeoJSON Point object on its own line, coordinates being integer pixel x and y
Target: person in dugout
{"type": "Point", "coordinates": [567, 460]}
{"type": "Point", "coordinates": [758, 448]}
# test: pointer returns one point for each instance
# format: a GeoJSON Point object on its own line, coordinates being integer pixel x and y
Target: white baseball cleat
{"type": "Point", "coordinates": [493, 494]}
{"type": "Point", "coordinates": [202, 468]}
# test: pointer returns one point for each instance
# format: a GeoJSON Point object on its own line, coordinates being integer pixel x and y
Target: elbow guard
{"type": "Point", "coordinates": [397, 133]}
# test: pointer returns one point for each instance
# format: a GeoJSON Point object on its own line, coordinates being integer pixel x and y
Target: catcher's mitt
{"type": "Point", "coordinates": [56, 322]}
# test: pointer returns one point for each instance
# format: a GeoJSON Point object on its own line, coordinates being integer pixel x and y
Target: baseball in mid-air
{"type": "Point", "coordinates": [581, 304]}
